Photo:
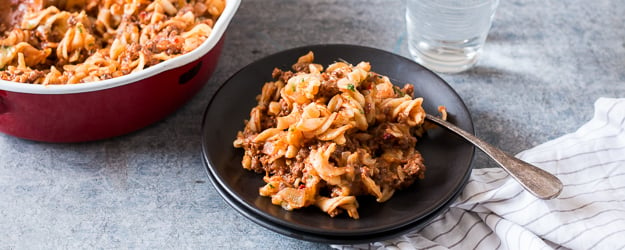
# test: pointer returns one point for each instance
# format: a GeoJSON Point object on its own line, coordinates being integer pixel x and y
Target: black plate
{"type": "Point", "coordinates": [329, 239]}
{"type": "Point", "coordinates": [447, 157]}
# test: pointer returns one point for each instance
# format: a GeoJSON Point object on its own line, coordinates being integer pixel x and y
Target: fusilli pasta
{"type": "Point", "coordinates": [323, 137]}
{"type": "Point", "coordinates": [77, 41]}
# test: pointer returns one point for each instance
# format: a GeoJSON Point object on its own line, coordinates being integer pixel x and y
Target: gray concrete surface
{"type": "Point", "coordinates": [544, 64]}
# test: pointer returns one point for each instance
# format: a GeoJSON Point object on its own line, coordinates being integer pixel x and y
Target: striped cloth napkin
{"type": "Point", "coordinates": [494, 212]}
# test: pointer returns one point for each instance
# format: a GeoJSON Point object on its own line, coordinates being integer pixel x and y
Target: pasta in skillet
{"type": "Point", "coordinates": [324, 137]}
{"type": "Point", "coordinates": [76, 41]}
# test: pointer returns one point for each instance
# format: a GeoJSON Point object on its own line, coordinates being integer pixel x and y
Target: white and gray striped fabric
{"type": "Point", "coordinates": [494, 212]}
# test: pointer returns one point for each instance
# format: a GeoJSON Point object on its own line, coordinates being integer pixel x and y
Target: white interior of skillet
{"type": "Point", "coordinates": [218, 31]}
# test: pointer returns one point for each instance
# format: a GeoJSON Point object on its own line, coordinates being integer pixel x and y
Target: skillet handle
{"type": "Point", "coordinates": [187, 76]}
{"type": "Point", "coordinates": [3, 107]}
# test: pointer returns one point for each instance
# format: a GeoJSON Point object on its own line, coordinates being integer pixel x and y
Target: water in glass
{"type": "Point", "coordinates": [447, 35]}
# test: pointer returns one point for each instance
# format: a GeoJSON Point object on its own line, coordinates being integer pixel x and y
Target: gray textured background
{"type": "Point", "coordinates": [544, 65]}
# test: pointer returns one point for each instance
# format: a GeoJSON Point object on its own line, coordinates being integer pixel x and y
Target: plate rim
{"type": "Point", "coordinates": [328, 239]}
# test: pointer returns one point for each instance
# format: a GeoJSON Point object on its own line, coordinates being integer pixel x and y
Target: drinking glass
{"type": "Point", "coordinates": [447, 36]}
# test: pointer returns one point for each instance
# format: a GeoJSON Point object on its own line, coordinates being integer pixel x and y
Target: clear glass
{"type": "Point", "coordinates": [447, 36]}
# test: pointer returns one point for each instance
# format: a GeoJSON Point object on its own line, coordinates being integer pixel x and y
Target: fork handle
{"type": "Point", "coordinates": [537, 181]}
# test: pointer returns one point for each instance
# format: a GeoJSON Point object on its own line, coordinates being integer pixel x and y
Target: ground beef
{"type": "Point", "coordinates": [284, 76]}
{"type": "Point", "coordinates": [328, 87]}
{"type": "Point", "coordinates": [301, 67]}
{"type": "Point", "coordinates": [20, 75]}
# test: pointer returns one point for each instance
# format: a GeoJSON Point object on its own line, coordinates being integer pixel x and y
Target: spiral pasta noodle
{"type": "Point", "coordinates": [77, 41]}
{"type": "Point", "coordinates": [324, 137]}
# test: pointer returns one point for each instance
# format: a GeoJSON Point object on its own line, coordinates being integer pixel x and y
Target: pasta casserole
{"type": "Point", "coordinates": [322, 137]}
{"type": "Point", "coordinates": [76, 41]}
